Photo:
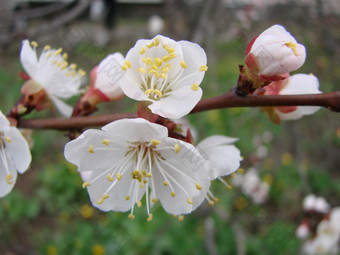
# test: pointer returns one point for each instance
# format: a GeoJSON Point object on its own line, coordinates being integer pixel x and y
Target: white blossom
{"type": "Point", "coordinates": [52, 73]}
{"type": "Point", "coordinates": [131, 157]}
{"type": "Point", "coordinates": [274, 52]}
{"type": "Point", "coordinates": [166, 73]}
{"type": "Point", "coordinates": [15, 155]}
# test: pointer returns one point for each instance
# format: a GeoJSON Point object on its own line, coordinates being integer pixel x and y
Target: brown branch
{"type": "Point", "coordinates": [329, 100]}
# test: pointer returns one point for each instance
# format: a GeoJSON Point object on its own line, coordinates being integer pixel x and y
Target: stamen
{"type": "Point", "coordinates": [8, 139]}
{"type": "Point", "coordinates": [127, 198]}
{"type": "Point", "coordinates": [194, 86]}
{"type": "Point", "coordinates": [158, 93]}
{"type": "Point", "coordinates": [155, 142]}
{"type": "Point", "coordinates": [172, 55]}
{"type": "Point", "coordinates": [141, 70]}
{"type": "Point", "coordinates": [154, 200]}
{"type": "Point", "coordinates": [139, 204]}
{"type": "Point", "coordinates": [156, 42]}
{"type": "Point", "coordinates": [65, 55]}
{"type": "Point", "coordinates": [189, 201]}
{"type": "Point", "coordinates": [90, 149]}
{"type": "Point", "coordinates": [199, 187]}
{"type": "Point", "coordinates": [86, 184]}
{"type": "Point", "coordinates": [293, 46]}
{"type": "Point", "coordinates": [173, 194]}
{"type": "Point", "coordinates": [105, 142]}
{"type": "Point", "coordinates": [148, 92]}
{"type": "Point", "coordinates": [150, 217]}
{"type": "Point", "coordinates": [240, 170]}
{"type": "Point", "coordinates": [131, 216]}
{"type": "Point", "coordinates": [203, 68]}
{"type": "Point", "coordinates": [147, 61]}
{"type": "Point", "coordinates": [149, 175]}
{"type": "Point", "coordinates": [58, 52]}
{"type": "Point", "coordinates": [47, 47]}
{"type": "Point", "coordinates": [180, 217]}
{"type": "Point", "coordinates": [109, 177]}
{"type": "Point", "coordinates": [81, 72]}
{"type": "Point", "coordinates": [34, 44]}
{"type": "Point", "coordinates": [166, 58]}
{"type": "Point", "coordinates": [128, 63]}
{"type": "Point", "coordinates": [119, 176]}
{"type": "Point", "coordinates": [73, 66]}
{"type": "Point", "coordinates": [142, 51]}
{"type": "Point", "coordinates": [165, 183]}
{"type": "Point", "coordinates": [177, 148]}
{"type": "Point", "coordinates": [183, 64]}
{"type": "Point", "coordinates": [150, 45]}
{"type": "Point", "coordinates": [9, 178]}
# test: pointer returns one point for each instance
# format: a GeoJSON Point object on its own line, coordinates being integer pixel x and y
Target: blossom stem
{"type": "Point", "coordinates": [329, 100]}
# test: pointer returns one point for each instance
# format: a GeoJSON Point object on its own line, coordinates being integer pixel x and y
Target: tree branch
{"type": "Point", "coordinates": [330, 101]}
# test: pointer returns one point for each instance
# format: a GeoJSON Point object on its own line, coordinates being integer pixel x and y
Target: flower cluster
{"type": "Point", "coordinates": [321, 227]}
{"type": "Point", "coordinates": [270, 57]}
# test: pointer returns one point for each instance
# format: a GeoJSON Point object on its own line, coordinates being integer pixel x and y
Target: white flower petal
{"type": "Point", "coordinates": [62, 107]}
{"type": "Point", "coordinates": [18, 149]}
{"type": "Point", "coordinates": [177, 104]}
{"type": "Point", "coordinates": [28, 58]}
{"type": "Point", "coordinates": [136, 130]}
{"type": "Point", "coordinates": [5, 188]}
{"type": "Point", "coordinates": [109, 73]}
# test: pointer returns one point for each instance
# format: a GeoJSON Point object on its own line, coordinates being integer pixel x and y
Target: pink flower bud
{"type": "Point", "coordinates": [273, 53]}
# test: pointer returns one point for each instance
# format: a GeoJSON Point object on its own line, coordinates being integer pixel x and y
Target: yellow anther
{"type": "Point", "coordinates": [119, 177]}
{"type": "Point", "coordinates": [124, 67]}
{"type": "Point", "coordinates": [183, 64]}
{"type": "Point", "coordinates": [127, 197]}
{"type": "Point", "coordinates": [215, 199]}
{"type": "Point", "coordinates": [105, 142]}
{"type": "Point", "coordinates": [203, 68]}
{"type": "Point", "coordinates": [240, 170]}
{"type": "Point", "coordinates": [194, 86]}
{"type": "Point", "coordinates": [157, 62]}
{"type": "Point", "coordinates": [293, 46]}
{"type": "Point", "coordinates": [154, 72]}
{"type": "Point", "coordinates": [165, 183]}
{"type": "Point", "coordinates": [55, 62]}
{"type": "Point", "coordinates": [149, 175]}
{"type": "Point", "coordinates": [150, 217]}
{"type": "Point", "coordinates": [58, 52]}
{"type": "Point", "coordinates": [148, 92]}
{"type": "Point", "coordinates": [47, 47]}
{"type": "Point", "coordinates": [189, 201]}
{"type": "Point", "coordinates": [128, 63]}
{"type": "Point", "coordinates": [142, 51]}
{"type": "Point", "coordinates": [145, 181]}
{"type": "Point", "coordinates": [81, 72]}
{"type": "Point", "coordinates": [154, 200]}
{"type": "Point", "coordinates": [150, 45]}
{"type": "Point", "coordinates": [86, 184]}
{"type": "Point", "coordinates": [100, 201]}
{"type": "Point", "coordinates": [172, 55]}
{"type": "Point", "coordinates": [166, 58]}
{"type": "Point", "coordinates": [165, 70]}
{"type": "Point", "coordinates": [139, 203]}
{"type": "Point", "coordinates": [170, 50]}
{"type": "Point", "coordinates": [147, 61]}
{"type": "Point", "coordinates": [211, 203]}
{"type": "Point", "coordinates": [233, 175]}
{"type": "Point", "coordinates": [9, 178]}
{"type": "Point", "coordinates": [154, 67]}
{"type": "Point", "coordinates": [229, 187]}
{"type": "Point", "coordinates": [64, 64]}
{"type": "Point", "coordinates": [177, 148]}
{"type": "Point", "coordinates": [173, 194]}
{"type": "Point", "coordinates": [90, 149]}
{"type": "Point", "coordinates": [156, 42]}
{"type": "Point", "coordinates": [131, 216]}
{"type": "Point", "coordinates": [141, 185]}
{"type": "Point", "coordinates": [73, 66]}
{"type": "Point", "coordinates": [163, 75]}
{"type": "Point", "coordinates": [65, 55]}
{"type": "Point", "coordinates": [34, 44]}
{"type": "Point", "coordinates": [8, 139]}
{"type": "Point", "coordinates": [199, 187]}
{"type": "Point", "coordinates": [155, 142]}
{"type": "Point", "coordinates": [109, 177]}
{"type": "Point", "coordinates": [181, 217]}
{"type": "Point", "coordinates": [158, 93]}
{"type": "Point", "coordinates": [105, 196]}
{"type": "Point", "coordinates": [141, 70]}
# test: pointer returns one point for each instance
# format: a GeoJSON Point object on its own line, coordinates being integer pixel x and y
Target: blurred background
{"type": "Point", "coordinates": [49, 213]}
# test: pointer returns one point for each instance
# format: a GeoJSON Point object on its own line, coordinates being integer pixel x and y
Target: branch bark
{"type": "Point", "coordinates": [330, 101]}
